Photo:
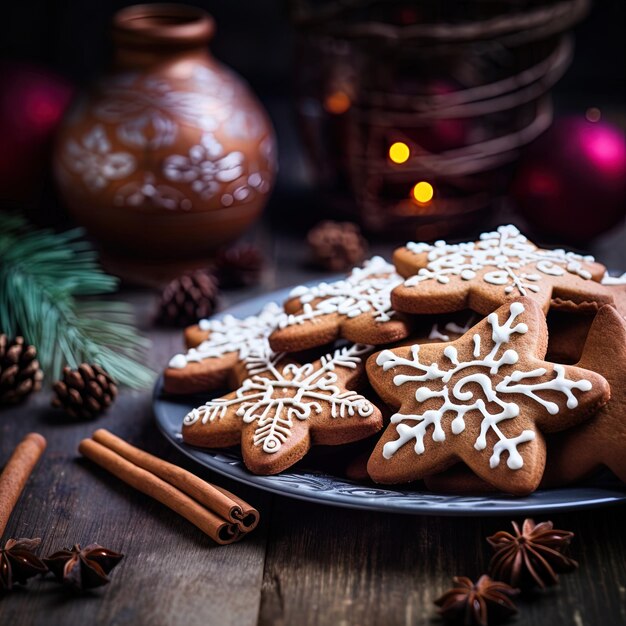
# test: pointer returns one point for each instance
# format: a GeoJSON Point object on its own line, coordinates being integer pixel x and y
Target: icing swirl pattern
{"type": "Point", "coordinates": [286, 391]}
{"type": "Point", "coordinates": [495, 368]}
{"type": "Point", "coordinates": [366, 290]}
{"type": "Point", "coordinates": [248, 337]}
{"type": "Point", "coordinates": [504, 258]}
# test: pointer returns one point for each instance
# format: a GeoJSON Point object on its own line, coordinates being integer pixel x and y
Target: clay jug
{"type": "Point", "coordinates": [170, 155]}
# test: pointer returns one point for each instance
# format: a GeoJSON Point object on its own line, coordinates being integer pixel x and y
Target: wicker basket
{"type": "Point", "coordinates": [463, 85]}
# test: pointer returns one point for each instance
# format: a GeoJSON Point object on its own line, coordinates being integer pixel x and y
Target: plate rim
{"type": "Point", "coordinates": [457, 505]}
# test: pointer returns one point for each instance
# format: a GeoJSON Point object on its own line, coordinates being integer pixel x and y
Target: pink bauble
{"type": "Point", "coordinates": [571, 182]}
{"type": "Point", "coordinates": [32, 103]}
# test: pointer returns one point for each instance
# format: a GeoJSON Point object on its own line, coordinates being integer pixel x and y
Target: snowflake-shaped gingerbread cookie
{"type": "Point", "coordinates": [484, 399]}
{"type": "Point", "coordinates": [500, 266]}
{"type": "Point", "coordinates": [357, 308]}
{"type": "Point", "coordinates": [578, 452]}
{"type": "Point", "coordinates": [279, 412]}
{"type": "Point", "coordinates": [600, 441]}
{"type": "Point", "coordinates": [221, 352]}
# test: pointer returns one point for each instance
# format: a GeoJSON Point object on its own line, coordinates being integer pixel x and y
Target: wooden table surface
{"type": "Point", "coordinates": [305, 563]}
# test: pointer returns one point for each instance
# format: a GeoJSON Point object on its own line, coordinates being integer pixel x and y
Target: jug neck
{"type": "Point", "coordinates": [148, 34]}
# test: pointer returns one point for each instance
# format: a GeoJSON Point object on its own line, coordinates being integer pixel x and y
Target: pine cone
{"type": "Point", "coordinates": [337, 246]}
{"type": "Point", "coordinates": [240, 266]}
{"type": "Point", "coordinates": [20, 373]}
{"type": "Point", "coordinates": [85, 392]}
{"type": "Point", "coordinates": [189, 298]}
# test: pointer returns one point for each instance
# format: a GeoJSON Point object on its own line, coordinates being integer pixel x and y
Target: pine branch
{"type": "Point", "coordinates": [41, 275]}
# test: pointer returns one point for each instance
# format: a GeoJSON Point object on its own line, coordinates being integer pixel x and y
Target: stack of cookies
{"type": "Point", "coordinates": [482, 366]}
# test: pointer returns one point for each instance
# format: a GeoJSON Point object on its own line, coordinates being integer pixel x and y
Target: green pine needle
{"type": "Point", "coordinates": [41, 273]}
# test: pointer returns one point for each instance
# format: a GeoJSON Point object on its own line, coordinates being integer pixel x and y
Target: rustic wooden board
{"type": "Point", "coordinates": [305, 564]}
{"type": "Point", "coordinates": [336, 566]}
{"type": "Point", "coordinates": [172, 573]}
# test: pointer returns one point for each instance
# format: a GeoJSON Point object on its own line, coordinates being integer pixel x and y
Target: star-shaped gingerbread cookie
{"type": "Point", "coordinates": [484, 399]}
{"type": "Point", "coordinates": [501, 266]}
{"type": "Point", "coordinates": [357, 308]}
{"type": "Point", "coordinates": [281, 410]}
{"type": "Point", "coordinates": [221, 351]}
{"type": "Point", "coordinates": [601, 440]}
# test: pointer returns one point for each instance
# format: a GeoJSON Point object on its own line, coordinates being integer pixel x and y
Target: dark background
{"type": "Point", "coordinates": [255, 37]}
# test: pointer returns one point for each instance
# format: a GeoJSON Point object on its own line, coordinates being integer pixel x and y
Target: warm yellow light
{"type": "Point", "coordinates": [399, 152]}
{"type": "Point", "coordinates": [337, 102]}
{"type": "Point", "coordinates": [423, 192]}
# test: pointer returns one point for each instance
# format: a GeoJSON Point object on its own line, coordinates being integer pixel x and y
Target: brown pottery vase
{"type": "Point", "coordinates": [170, 155]}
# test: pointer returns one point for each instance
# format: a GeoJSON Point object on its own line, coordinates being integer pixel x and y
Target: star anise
{"type": "Point", "coordinates": [531, 557]}
{"type": "Point", "coordinates": [477, 604]}
{"type": "Point", "coordinates": [18, 562]}
{"type": "Point", "coordinates": [83, 568]}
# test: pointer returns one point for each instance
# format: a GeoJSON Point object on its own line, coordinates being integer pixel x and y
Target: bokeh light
{"type": "Point", "coordinates": [337, 102]}
{"type": "Point", "coordinates": [423, 192]}
{"type": "Point", "coordinates": [604, 147]}
{"type": "Point", "coordinates": [399, 152]}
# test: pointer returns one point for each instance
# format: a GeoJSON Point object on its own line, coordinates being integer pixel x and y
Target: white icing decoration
{"type": "Point", "coordinates": [178, 361]}
{"type": "Point", "coordinates": [366, 290]}
{"type": "Point", "coordinates": [279, 394]}
{"type": "Point", "coordinates": [459, 399]}
{"type": "Point", "coordinates": [476, 352]}
{"type": "Point", "coordinates": [452, 327]}
{"type": "Point", "coordinates": [247, 337]}
{"type": "Point", "coordinates": [547, 267]}
{"type": "Point", "coordinates": [436, 334]}
{"type": "Point", "coordinates": [499, 277]}
{"type": "Point", "coordinates": [614, 280]}
{"type": "Point", "coordinates": [507, 251]}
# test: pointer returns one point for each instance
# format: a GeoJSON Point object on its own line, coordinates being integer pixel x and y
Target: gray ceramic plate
{"type": "Point", "coordinates": [323, 488]}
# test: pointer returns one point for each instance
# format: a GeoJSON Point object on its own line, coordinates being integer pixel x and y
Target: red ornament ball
{"type": "Point", "coordinates": [571, 182]}
{"type": "Point", "coordinates": [32, 103]}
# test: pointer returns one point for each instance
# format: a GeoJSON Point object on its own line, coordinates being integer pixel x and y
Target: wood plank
{"type": "Point", "coordinates": [172, 573]}
{"type": "Point", "coordinates": [323, 565]}
{"type": "Point", "coordinates": [334, 566]}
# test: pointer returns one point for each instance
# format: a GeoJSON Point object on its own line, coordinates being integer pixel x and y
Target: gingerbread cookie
{"type": "Point", "coordinates": [444, 328]}
{"type": "Point", "coordinates": [568, 332]}
{"type": "Point", "coordinates": [356, 468]}
{"type": "Point", "coordinates": [357, 309]}
{"type": "Point", "coordinates": [458, 479]}
{"type": "Point", "coordinates": [616, 286]}
{"type": "Point", "coordinates": [601, 440]}
{"type": "Point", "coordinates": [483, 275]}
{"type": "Point", "coordinates": [229, 344]}
{"type": "Point", "coordinates": [484, 399]}
{"type": "Point", "coordinates": [286, 407]}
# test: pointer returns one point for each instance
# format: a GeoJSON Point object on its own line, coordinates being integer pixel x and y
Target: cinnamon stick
{"type": "Point", "coordinates": [16, 472]}
{"type": "Point", "coordinates": [244, 515]}
{"type": "Point", "coordinates": [219, 529]}
{"type": "Point", "coordinates": [216, 499]}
